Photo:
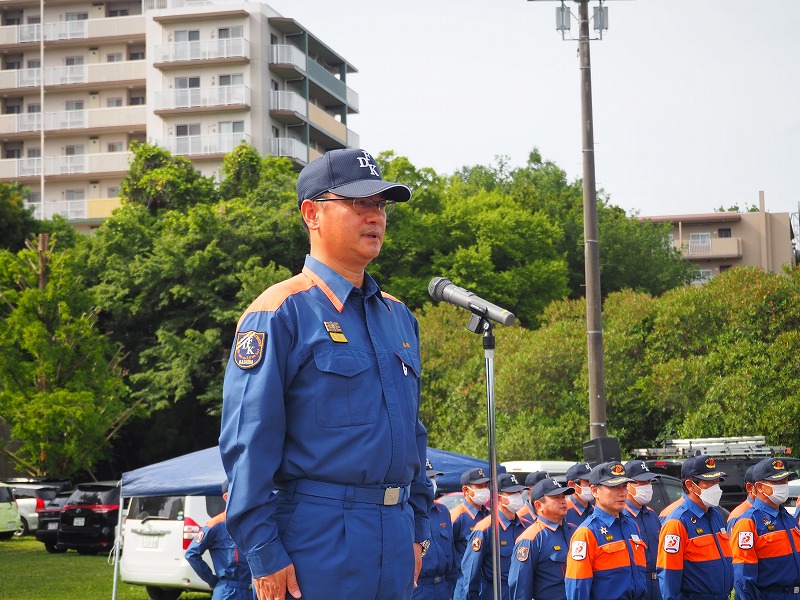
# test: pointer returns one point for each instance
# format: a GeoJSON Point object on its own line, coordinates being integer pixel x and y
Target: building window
{"type": "Point", "coordinates": [227, 80]}
{"type": "Point", "coordinates": [699, 243]}
{"type": "Point", "coordinates": [136, 53]}
{"type": "Point", "coordinates": [74, 105]}
{"type": "Point", "coordinates": [274, 85]}
{"type": "Point", "coordinates": [114, 57]}
{"type": "Point", "coordinates": [116, 147]}
{"type": "Point", "coordinates": [13, 152]}
{"type": "Point", "coordinates": [187, 130]}
{"type": "Point", "coordinates": [136, 101]}
{"type": "Point", "coordinates": [226, 33]}
{"type": "Point", "coordinates": [226, 127]}
{"type": "Point", "coordinates": [703, 277]}
{"type": "Point", "coordinates": [118, 12]}
{"type": "Point", "coordinates": [192, 35]}
{"type": "Point", "coordinates": [76, 16]}
{"type": "Point", "coordinates": [723, 268]}
{"type": "Point", "coordinates": [724, 232]}
{"type": "Point", "coordinates": [34, 63]}
{"type": "Point", "coordinates": [74, 194]}
{"type": "Point", "coordinates": [113, 191]}
{"type": "Point", "coordinates": [73, 150]}
{"type": "Point", "coordinates": [34, 107]}
{"type": "Point", "coordinates": [114, 102]}
{"type": "Point", "coordinates": [73, 61]}
{"type": "Point", "coordinates": [276, 133]}
{"type": "Point", "coordinates": [34, 152]}
{"type": "Point", "coordinates": [13, 109]}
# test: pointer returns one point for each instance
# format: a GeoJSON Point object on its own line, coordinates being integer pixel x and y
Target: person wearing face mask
{"type": "Point", "coordinates": [437, 578]}
{"type": "Point", "coordinates": [472, 510]}
{"type": "Point", "coordinates": [476, 566]}
{"type": "Point", "coordinates": [579, 505]}
{"type": "Point", "coordinates": [694, 554]}
{"type": "Point", "coordinates": [765, 540]}
{"type": "Point", "coordinates": [640, 493]}
{"type": "Point", "coordinates": [606, 558]}
{"type": "Point", "coordinates": [528, 513]}
{"type": "Point", "coordinates": [538, 564]}
{"type": "Point", "coordinates": [749, 488]}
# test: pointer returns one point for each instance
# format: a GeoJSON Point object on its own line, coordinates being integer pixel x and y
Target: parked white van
{"type": "Point", "coordinates": [556, 468]}
{"type": "Point", "coordinates": [156, 533]}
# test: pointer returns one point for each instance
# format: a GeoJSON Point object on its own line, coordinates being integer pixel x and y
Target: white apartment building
{"type": "Point", "coordinates": [80, 80]}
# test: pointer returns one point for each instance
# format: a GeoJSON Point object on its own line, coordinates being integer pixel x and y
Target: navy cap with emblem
{"type": "Point", "coordinates": [549, 487]}
{"type": "Point", "coordinates": [474, 476]}
{"type": "Point", "coordinates": [771, 469]}
{"type": "Point", "coordinates": [701, 467]}
{"type": "Point", "coordinates": [508, 482]}
{"type": "Point", "coordinates": [636, 469]}
{"type": "Point", "coordinates": [533, 478]}
{"type": "Point", "coordinates": [610, 474]}
{"type": "Point", "coordinates": [349, 172]}
{"type": "Point", "coordinates": [578, 471]}
{"type": "Point", "coordinates": [430, 471]}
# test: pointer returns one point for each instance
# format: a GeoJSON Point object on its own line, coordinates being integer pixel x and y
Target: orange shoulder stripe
{"type": "Point", "coordinates": [214, 520]}
{"type": "Point", "coordinates": [273, 297]}
{"type": "Point", "coordinates": [532, 531]}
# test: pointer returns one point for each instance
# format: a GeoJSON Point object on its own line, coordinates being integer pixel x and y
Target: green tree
{"type": "Point", "coordinates": [17, 223]}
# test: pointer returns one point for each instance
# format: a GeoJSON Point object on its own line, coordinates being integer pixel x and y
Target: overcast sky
{"type": "Point", "coordinates": [696, 102]}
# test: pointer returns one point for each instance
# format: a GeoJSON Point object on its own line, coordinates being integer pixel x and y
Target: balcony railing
{"type": "Point", "coordinates": [106, 162]}
{"type": "Point", "coordinates": [286, 54]}
{"type": "Point", "coordinates": [289, 147]}
{"type": "Point", "coordinates": [203, 97]}
{"type": "Point", "coordinates": [713, 248]}
{"type": "Point", "coordinates": [182, 51]}
{"type": "Point", "coordinates": [164, 4]}
{"type": "Point", "coordinates": [290, 101]}
{"type": "Point", "coordinates": [194, 145]}
{"type": "Point", "coordinates": [113, 117]}
{"type": "Point", "coordinates": [98, 73]}
{"type": "Point", "coordinates": [124, 26]}
{"type": "Point", "coordinates": [93, 208]}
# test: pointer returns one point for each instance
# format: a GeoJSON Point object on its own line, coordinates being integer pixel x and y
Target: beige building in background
{"type": "Point", "coordinates": [718, 241]}
{"type": "Point", "coordinates": [195, 77]}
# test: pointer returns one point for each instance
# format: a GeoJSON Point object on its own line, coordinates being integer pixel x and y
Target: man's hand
{"type": "Point", "coordinates": [275, 586]}
{"type": "Point", "coordinates": [417, 561]}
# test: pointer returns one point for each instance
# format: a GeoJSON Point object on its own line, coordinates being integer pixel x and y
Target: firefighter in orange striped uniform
{"type": "Point", "coordinates": [765, 540]}
{"type": "Point", "coordinates": [737, 512]}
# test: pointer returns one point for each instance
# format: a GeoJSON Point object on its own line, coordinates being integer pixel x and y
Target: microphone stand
{"type": "Point", "coordinates": [481, 325]}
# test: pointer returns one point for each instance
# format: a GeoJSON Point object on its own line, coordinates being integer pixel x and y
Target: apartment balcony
{"type": "Point", "coordinates": [330, 87]}
{"type": "Point", "coordinates": [99, 75]}
{"type": "Point", "coordinates": [106, 119]}
{"type": "Point", "coordinates": [715, 248]}
{"type": "Point", "coordinates": [224, 97]}
{"type": "Point", "coordinates": [288, 107]}
{"type": "Point", "coordinates": [94, 30]}
{"type": "Point", "coordinates": [327, 124]}
{"type": "Point", "coordinates": [68, 167]}
{"type": "Point", "coordinates": [203, 145]}
{"type": "Point", "coordinates": [290, 148]}
{"type": "Point", "coordinates": [178, 54]}
{"type": "Point", "coordinates": [94, 209]}
{"type": "Point", "coordinates": [286, 59]}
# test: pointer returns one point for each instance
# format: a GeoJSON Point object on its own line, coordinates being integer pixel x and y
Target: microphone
{"type": "Point", "coordinates": [441, 288]}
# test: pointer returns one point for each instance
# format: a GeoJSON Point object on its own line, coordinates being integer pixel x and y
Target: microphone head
{"type": "Point", "coordinates": [436, 287]}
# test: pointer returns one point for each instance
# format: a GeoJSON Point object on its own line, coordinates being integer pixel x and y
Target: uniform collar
{"type": "Point", "coordinates": [764, 507]}
{"type": "Point", "coordinates": [504, 522]}
{"type": "Point", "coordinates": [471, 509]}
{"type": "Point", "coordinates": [336, 287]}
{"type": "Point", "coordinates": [693, 507]}
{"type": "Point", "coordinates": [551, 525]}
{"type": "Point", "coordinates": [604, 517]}
{"type": "Point", "coordinates": [632, 508]}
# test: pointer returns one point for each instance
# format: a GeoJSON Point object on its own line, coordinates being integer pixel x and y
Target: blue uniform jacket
{"type": "Point", "coordinates": [539, 562]}
{"type": "Point", "coordinates": [230, 570]}
{"type": "Point", "coordinates": [476, 566]}
{"type": "Point", "coordinates": [649, 528]}
{"type": "Point", "coordinates": [606, 559]}
{"type": "Point", "coordinates": [323, 383]}
{"type": "Point", "coordinates": [694, 554]}
{"type": "Point", "coordinates": [577, 513]}
{"type": "Point", "coordinates": [765, 543]}
{"type": "Point", "coordinates": [437, 579]}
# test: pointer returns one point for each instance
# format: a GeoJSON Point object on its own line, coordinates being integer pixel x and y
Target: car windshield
{"type": "Point", "coordinates": [94, 495]}
{"type": "Point", "coordinates": [157, 507]}
{"type": "Point", "coordinates": [43, 493]}
{"type": "Point", "coordinates": [5, 495]}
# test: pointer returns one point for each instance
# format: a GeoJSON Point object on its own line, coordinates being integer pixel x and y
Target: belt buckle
{"type": "Point", "coordinates": [654, 576]}
{"type": "Point", "coordinates": [437, 579]}
{"type": "Point", "coordinates": [796, 589]}
{"type": "Point", "coordinates": [391, 496]}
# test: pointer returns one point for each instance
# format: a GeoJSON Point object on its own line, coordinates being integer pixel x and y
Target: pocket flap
{"type": "Point", "coordinates": [341, 362]}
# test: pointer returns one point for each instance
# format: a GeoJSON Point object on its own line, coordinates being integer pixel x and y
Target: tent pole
{"type": "Point", "coordinates": [118, 542]}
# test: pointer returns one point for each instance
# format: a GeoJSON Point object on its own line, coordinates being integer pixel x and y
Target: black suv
{"type": "Point", "coordinates": [89, 518]}
{"type": "Point", "coordinates": [49, 521]}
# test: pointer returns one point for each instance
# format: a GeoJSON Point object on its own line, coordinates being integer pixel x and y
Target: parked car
{"type": "Point", "coordinates": [9, 513]}
{"type": "Point", "coordinates": [49, 520]}
{"type": "Point", "coordinates": [557, 469]}
{"type": "Point", "coordinates": [156, 533]}
{"type": "Point", "coordinates": [31, 497]}
{"type": "Point", "coordinates": [89, 517]}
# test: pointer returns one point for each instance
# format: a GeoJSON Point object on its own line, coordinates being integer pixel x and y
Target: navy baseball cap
{"type": "Point", "coordinates": [701, 467]}
{"type": "Point", "coordinates": [430, 471]}
{"type": "Point", "coordinates": [225, 486]}
{"type": "Point", "coordinates": [636, 469]}
{"type": "Point", "coordinates": [474, 476]}
{"type": "Point", "coordinates": [578, 471]}
{"type": "Point", "coordinates": [508, 482]}
{"type": "Point", "coordinates": [533, 478]}
{"type": "Point", "coordinates": [771, 469]}
{"type": "Point", "coordinates": [548, 487]}
{"type": "Point", "coordinates": [349, 172]}
{"type": "Point", "coordinates": [748, 474]}
{"type": "Point", "coordinates": [609, 473]}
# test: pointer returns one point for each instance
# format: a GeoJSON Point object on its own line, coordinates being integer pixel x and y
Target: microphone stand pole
{"type": "Point", "coordinates": [481, 325]}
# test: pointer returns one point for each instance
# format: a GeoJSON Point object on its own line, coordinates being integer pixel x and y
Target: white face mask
{"type": "Point", "coordinates": [433, 483]}
{"type": "Point", "coordinates": [481, 496]}
{"type": "Point", "coordinates": [780, 493]}
{"type": "Point", "coordinates": [586, 493]}
{"type": "Point", "coordinates": [515, 503]}
{"type": "Point", "coordinates": [711, 496]}
{"type": "Point", "coordinates": [643, 493]}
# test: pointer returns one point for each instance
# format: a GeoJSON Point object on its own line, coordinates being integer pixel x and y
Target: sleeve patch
{"type": "Point", "coordinates": [522, 553]}
{"type": "Point", "coordinates": [199, 537]}
{"type": "Point", "coordinates": [476, 544]}
{"type": "Point", "coordinates": [745, 540]}
{"type": "Point", "coordinates": [672, 543]}
{"type": "Point", "coordinates": [249, 349]}
{"type": "Point", "coordinates": [578, 550]}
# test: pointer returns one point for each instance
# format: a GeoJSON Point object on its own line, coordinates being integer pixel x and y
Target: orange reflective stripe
{"type": "Point", "coordinates": [671, 545]}
{"type": "Point", "coordinates": [773, 544]}
{"type": "Point", "coordinates": [581, 569]}
{"type": "Point", "coordinates": [744, 534]}
{"type": "Point", "coordinates": [531, 532]}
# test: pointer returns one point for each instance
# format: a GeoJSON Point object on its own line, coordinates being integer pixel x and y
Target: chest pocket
{"type": "Point", "coordinates": [612, 556]}
{"type": "Point", "coordinates": [347, 399]}
{"type": "Point", "coordinates": [559, 556]}
{"type": "Point", "coordinates": [407, 378]}
{"type": "Point", "coordinates": [701, 548]}
{"type": "Point", "coordinates": [639, 552]}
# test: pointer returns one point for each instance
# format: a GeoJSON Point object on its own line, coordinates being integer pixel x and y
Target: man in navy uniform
{"type": "Point", "coordinates": [471, 511]}
{"type": "Point", "coordinates": [528, 513]}
{"type": "Point", "coordinates": [581, 503]}
{"type": "Point", "coordinates": [320, 436]}
{"type": "Point", "coordinates": [640, 493]}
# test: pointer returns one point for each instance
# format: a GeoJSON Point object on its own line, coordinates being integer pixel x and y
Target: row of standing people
{"type": "Point", "coordinates": [598, 539]}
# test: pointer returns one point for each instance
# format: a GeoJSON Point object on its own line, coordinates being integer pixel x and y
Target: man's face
{"type": "Point", "coordinates": [552, 508]}
{"type": "Point", "coordinates": [348, 235]}
{"type": "Point", "coordinates": [611, 498]}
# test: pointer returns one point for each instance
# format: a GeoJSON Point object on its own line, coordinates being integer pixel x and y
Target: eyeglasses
{"type": "Point", "coordinates": [363, 205]}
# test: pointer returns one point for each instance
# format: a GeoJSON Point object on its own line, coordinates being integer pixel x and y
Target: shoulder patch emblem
{"type": "Point", "coordinates": [476, 544]}
{"type": "Point", "coordinates": [672, 543]}
{"type": "Point", "coordinates": [578, 550]}
{"type": "Point", "coordinates": [745, 540]}
{"type": "Point", "coordinates": [199, 537]}
{"type": "Point", "coordinates": [522, 553]}
{"type": "Point", "coordinates": [249, 349]}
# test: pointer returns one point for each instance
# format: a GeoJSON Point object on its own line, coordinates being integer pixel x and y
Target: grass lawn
{"type": "Point", "coordinates": [28, 572]}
